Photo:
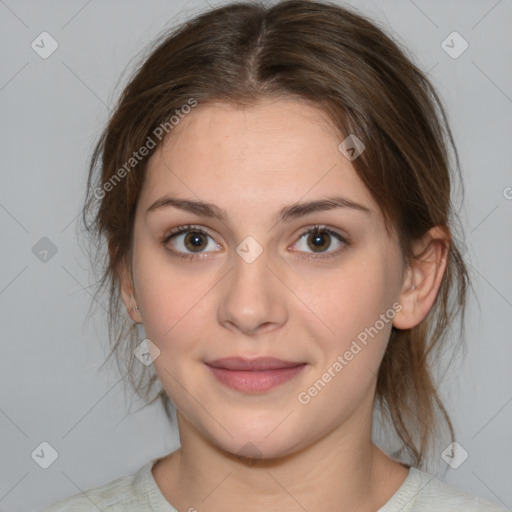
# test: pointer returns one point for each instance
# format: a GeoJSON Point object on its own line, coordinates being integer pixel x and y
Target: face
{"type": "Point", "coordinates": [251, 277]}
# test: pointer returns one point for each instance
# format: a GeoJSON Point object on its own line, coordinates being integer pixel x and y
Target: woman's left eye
{"type": "Point", "coordinates": [319, 239]}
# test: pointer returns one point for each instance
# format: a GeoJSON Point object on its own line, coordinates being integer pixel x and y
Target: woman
{"type": "Point", "coordinates": [274, 193]}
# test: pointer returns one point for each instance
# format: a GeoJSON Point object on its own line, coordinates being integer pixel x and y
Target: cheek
{"type": "Point", "coordinates": [166, 298]}
{"type": "Point", "coordinates": [352, 297]}
{"type": "Point", "coordinates": [357, 306]}
{"type": "Point", "coordinates": [354, 308]}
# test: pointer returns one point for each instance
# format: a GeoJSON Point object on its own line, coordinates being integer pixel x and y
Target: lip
{"type": "Point", "coordinates": [254, 375]}
{"type": "Point", "coordinates": [259, 363]}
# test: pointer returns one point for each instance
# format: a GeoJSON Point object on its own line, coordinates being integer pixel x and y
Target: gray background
{"type": "Point", "coordinates": [52, 111]}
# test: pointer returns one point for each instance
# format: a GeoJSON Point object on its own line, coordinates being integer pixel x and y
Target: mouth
{"type": "Point", "coordinates": [254, 375]}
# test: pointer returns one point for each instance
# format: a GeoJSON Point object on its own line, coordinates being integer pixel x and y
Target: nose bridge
{"type": "Point", "coordinates": [251, 296]}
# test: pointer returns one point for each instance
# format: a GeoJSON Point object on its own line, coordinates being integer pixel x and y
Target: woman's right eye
{"type": "Point", "coordinates": [190, 242]}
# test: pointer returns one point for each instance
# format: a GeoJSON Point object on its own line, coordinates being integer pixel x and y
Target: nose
{"type": "Point", "coordinates": [253, 300]}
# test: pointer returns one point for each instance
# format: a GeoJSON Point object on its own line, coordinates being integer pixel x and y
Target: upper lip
{"type": "Point", "coordinates": [260, 363]}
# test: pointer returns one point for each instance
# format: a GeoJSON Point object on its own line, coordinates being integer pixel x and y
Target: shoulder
{"type": "Point", "coordinates": [123, 494]}
{"type": "Point", "coordinates": [422, 492]}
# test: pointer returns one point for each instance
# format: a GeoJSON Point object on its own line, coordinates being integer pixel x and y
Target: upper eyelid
{"type": "Point", "coordinates": [184, 229]}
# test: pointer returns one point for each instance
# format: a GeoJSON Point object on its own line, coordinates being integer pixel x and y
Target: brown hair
{"type": "Point", "coordinates": [346, 66]}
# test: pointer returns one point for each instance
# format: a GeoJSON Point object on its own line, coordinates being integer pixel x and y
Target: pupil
{"type": "Point", "coordinates": [319, 241]}
{"type": "Point", "coordinates": [194, 241]}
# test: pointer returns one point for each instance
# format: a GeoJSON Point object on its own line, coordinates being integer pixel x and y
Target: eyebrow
{"type": "Point", "coordinates": [290, 212]}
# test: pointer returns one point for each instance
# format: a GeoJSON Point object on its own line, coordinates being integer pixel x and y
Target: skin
{"type": "Point", "coordinates": [288, 303]}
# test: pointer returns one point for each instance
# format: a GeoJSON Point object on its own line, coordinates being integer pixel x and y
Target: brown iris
{"type": "Point", "coordinates": [316, 238]}
{"type": "Point", "coordinates": [193, 241]}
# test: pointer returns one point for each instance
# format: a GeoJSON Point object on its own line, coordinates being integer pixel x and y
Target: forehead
{"type": "Point", "coordinates": [275, 152]}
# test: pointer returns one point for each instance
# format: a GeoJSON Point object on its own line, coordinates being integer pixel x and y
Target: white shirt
{"type": "Point", "coordinates": [420, 492]}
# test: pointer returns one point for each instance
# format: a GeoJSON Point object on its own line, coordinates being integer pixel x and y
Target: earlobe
{"type": "Point", "coordinates": [128, 294]}
{"type": "Point", "coordinates": [424, 278]}
{"type": "Point", "coordinates": [135, 314]}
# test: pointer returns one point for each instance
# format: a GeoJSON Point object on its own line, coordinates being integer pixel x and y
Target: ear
{"type": "Point", "coordinates": [127, 288]}
{"type": "Point", "coordinates": [423, 278]}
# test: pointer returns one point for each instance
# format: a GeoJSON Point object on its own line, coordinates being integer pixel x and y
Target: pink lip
{"type": "Point", "coordinates": [254, 375]}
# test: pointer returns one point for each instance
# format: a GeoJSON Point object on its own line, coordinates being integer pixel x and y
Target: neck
{"type": "Point", "coordinates": [343, 471]}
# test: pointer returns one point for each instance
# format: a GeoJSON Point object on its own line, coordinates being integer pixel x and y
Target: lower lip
{"type": "Point", "coordinates": [255, 381]}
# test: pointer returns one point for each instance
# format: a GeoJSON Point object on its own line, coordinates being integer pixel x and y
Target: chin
{"type": "Point", "coordinates": [257, 447]}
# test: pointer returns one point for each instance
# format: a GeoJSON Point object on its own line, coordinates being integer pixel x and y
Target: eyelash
{"type": "Point", "coordinates": [314, 229]}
